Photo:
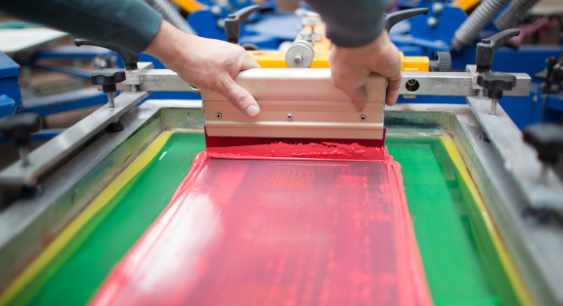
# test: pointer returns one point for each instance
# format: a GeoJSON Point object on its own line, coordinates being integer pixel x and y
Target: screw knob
{"type": "Point", "coordinates": [234, 20]}
{"type": "Point", "coordinates": [19, 128]}
{"type": "Point", "coordinates": [108, 79]}
{"type": "Point", "coordinates": [495, 83]}
{"type": "Point", "coordinates": [129, 58]}
{"type": "Point", "coordinates": [398, 16]}
{"type": "Point", "coordinates": [486, 49]}
{"type": "Point", "coordinates": [547, 140]}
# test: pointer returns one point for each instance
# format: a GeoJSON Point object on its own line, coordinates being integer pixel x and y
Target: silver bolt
{"type": "Point", "coordinates": [437, 7]}
{"type": "Point", "coordinates": [24, 156]}
{"type": "Point", "coordinates": [432, 21]}
{"type": "Point", "coordinates": [215, 10]}
{"type": "Point", "coordinates": [494, 103]}
{"type": "Point", "coordinates": [298, 60]}
{"type": "Point", "coordinates": [111, 99]}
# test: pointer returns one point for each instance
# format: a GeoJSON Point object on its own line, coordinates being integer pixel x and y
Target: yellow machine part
{"type": "Point", "coordinates": [276, 59]}
{"type": "Point", "coordinates": [189, 6]}
{"type": "Point", "coordinates": [415, 63]}
{"type": "Point", "coordinates": [466, 5]}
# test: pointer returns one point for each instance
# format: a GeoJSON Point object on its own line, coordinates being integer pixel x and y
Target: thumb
{"type": "Point", "coordinates": [239, 96]}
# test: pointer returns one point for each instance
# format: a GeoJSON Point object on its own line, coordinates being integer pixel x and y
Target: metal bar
{"type": "Point", "coordinates": [454, 84]}
{"type": "Point", "coordinates": [514, 176]}
{"type": "Point", "coordinates": [156, 80]}
{"type": "Point", "coordinates": [519, 158]}
{"type": "Point", "coordinates": [412, 83]}
{"type": "Point", "coordinates": [28, 223]}
{"type": "Point", "coordinates": [54, 151]}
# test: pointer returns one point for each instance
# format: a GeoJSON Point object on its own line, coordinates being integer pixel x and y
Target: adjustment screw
{"type": "Point", "coordinates": [412, 85]}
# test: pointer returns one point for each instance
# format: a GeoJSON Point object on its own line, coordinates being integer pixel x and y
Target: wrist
{"type": "Point", "coordinates": [380, 43]}
{"type": "Point", "coordinates": [166, 46]}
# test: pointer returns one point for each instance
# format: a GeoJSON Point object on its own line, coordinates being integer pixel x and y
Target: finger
{"type": "Point", "coordinates": [357, 95]}
{"type": "Point", "coordinates": [359, 98]}
{"type": "Point", "coordinates": [353, 85]}
{"type": "Point", "coordinates": [239, 96]}
{"type": "Point", "coordinates": [393, 92]}
{"type": "Point", "coordinates": [248, 62]}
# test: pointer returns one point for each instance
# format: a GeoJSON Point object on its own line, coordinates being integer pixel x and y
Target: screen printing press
{"type": "Point", "coordinates": [98, 205]}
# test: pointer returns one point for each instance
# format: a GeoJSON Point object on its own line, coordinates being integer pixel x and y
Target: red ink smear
{"type": "Point", "coordinates": [317, 151]}
{"type": "Point", "coordinates": [278, 224]}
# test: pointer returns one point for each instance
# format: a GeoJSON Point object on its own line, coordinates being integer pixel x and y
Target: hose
{"type": "Point", "coordinates": [170, 14]}
{"type": "Point", "coordinates": [478, 20]}
{"type": "Point", "coordinates": [514, 13]}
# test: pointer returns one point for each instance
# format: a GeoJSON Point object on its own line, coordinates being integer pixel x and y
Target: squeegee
{"type": "Point", "coordinates": [297, 105]}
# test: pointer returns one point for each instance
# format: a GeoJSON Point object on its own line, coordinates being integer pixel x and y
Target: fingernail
{"type": "Point", "coordinates": [252, 110]}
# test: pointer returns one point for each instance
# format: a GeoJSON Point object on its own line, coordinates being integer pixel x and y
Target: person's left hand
{"type": "Point", "coordinates": [351, 68]}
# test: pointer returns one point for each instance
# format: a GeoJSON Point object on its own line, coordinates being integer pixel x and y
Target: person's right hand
{"type": "Point", "coordinates": [352, 66]}
{"type": "Point", "coordinates": [206, 63]}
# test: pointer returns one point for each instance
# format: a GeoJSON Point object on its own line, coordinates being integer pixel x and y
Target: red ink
{"type": "Point", "coordinates": [278, 224]}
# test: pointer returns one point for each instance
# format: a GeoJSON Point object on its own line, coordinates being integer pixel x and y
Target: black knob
{"type": "Point", "coordinates": [547, 140]}
{"type": "Point", "coordinates": [18, 128]}
{"type": "Point", "coordinates": [234, 20]}
{"type": "Point", "coordinates": [486, 49]}
{"type": "Point", "coordinates": [495, 83]}
{"type": "Point", "coordinates": [552, 76]}
{"type": "Point", "coordinates": [398, 16]}
{"type": "Point", "coordinates": [108, 79]}
{"type": "Point", "coordinates": [129, 58]}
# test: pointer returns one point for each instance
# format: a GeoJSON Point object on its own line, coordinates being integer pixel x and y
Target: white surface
{"type": "Point", "coordinates": [18, 40]}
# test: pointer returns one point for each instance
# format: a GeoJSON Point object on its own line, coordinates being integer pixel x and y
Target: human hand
{"type": "Point", "coordinates": [352, 66]}
{"type": "Point", "coordinates": [206, 63]}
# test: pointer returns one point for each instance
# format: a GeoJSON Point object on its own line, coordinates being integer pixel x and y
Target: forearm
{"type": "Point", "coordinates": [130, 24]}
{"type": "Point", "coordinates": [351, 23]}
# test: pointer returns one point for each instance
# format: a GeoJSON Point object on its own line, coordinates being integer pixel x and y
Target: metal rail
{"type": "Point", "coordinates": [55, 150]}
{"type": "Point", "coordinates": [412, 83]}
